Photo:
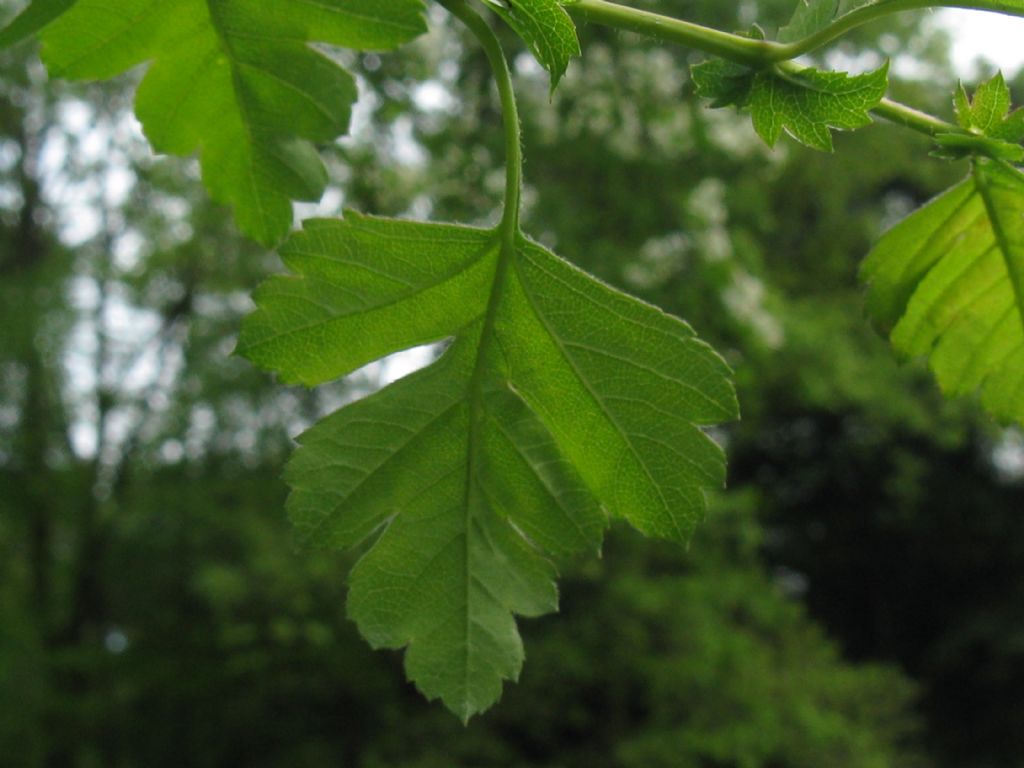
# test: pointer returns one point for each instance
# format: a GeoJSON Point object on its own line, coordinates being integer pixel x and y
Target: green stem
{"type": "Point", "coordinates": [510, 112]}
{"type": "Point", "coordinates": [912, 118]}
{"type": "Point", "coordinates": [877, 10]}
{"type": "Point", "coordinates": [743, 50]}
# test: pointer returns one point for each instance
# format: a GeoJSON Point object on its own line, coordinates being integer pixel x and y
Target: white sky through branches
{"type": "Point", "coordinates": [980, 35]}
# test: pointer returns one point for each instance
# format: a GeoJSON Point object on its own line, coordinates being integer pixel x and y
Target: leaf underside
{"type": "Point", "coordinates": [558, 401]}
{"type": "Point", "coordinates": [807, 104]}
{"type": "Point", "coordinates": [949, 283]}
{"type": "Point", "coordinates": [235, 80]}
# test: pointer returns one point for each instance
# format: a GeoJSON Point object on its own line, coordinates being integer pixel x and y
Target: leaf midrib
{"type": "Point", "coordinates": [1016, 278]}
{"type": "Point", "coordinates": [506, 234]}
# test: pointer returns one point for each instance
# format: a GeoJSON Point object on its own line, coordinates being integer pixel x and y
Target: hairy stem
{"type": "Point", "coordinates": [509, 110]}
{"type": "Point", "coordinates": [743, 50]}
{"type": "Point", "coordinates": [914, 119]}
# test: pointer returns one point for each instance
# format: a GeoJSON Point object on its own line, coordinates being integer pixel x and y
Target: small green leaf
{"type": "Point", "coordinates": [547, 30]}
{"type": "Point", "coordinates": [724, 82]}
{"type": "Point", "coordinates": [988, 112]}
{"type": "Point", "coordinates": [949, 283]}
{"type": "Point", "coordinates": [34, 18]}
{"type": "Point", "coordinates": [989, 107]}
{"type": "Point", "coordinates": [807, 103]}
{"type": "Point", "coordinates": [810, 102]}
{"type": "Point", "coordinates": [993, 130]}
{"type": "Point", "coordinates": [809, 17]}
{"type": "Point", "coordinates": [237, 81]}
{"type": "Point", "coordinates": [557, 397]}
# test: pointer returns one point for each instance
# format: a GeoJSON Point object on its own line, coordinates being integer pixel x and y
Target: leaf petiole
{"type": "Point", "coordinates": [510, 113]}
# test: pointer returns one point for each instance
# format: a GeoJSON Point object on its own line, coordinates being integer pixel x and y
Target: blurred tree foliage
{"type": "Point", "coordinates": [154, 612]}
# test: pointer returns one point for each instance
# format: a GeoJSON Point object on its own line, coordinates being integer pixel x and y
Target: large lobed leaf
{"type": "Point", "coordinates": [558, 400]}
{"type": "Point", "coordinates": [233, 79]}
{"type": "Point", "coordinates": [949, 283]}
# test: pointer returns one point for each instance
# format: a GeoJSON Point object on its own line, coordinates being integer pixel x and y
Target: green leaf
{"type": "Point", "coordinates": [949, 282]}
{"type": "Point", "coordinates": [807, 103]}
{"type": "Point", "coordinates": [724, 82]}
{"type": "Point", "coordinates": [992, 130]}
{"type": "Point", "coordinates": [237, 81]}
{"type": "Point", "coordinates": [809, 17]}
{"type": "Point", "coordinates": [557, 397]}
{"type": "Point", "coordinates": [32, 19]}
{"type": "Point", "coordinates": [810, 102]}
{"type": "Point", "coordinates": [988, 112]}
{"type": "Point", "coordinates": [547, 30]}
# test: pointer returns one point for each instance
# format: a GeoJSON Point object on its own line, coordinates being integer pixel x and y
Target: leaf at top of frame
{"type": "Point", "coordinates": [547, 30]}
{"type": "Point", "coordinates": [236, 81]}
{"type": "Point", "coordinates": [32, 19]}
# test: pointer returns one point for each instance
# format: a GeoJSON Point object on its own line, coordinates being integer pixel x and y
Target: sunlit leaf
{"type": "Point", "coordinates": [949, 283]}
{"type": "Point", "coordinates": [557, 397]}
{"type": "Point", "coordinates": [236, 81]}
